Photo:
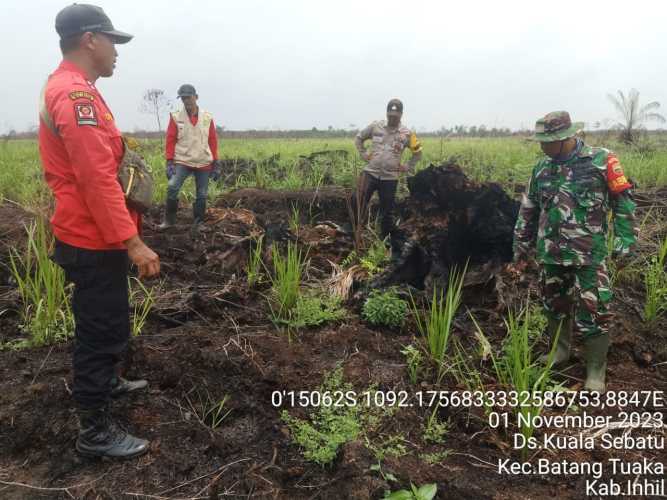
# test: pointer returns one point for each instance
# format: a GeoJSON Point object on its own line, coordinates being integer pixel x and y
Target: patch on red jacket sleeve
{"type": "Point", "coordinates": [616, 179]}
{"type": "Point", "coordinates": [81, 94]}
{"type": "Point", "coordinates": [85, 114]}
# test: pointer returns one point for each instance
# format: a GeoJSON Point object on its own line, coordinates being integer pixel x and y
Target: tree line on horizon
{"type": "Point", "coordinates": [630, 124]}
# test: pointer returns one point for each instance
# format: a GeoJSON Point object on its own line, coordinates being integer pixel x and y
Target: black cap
{"type": "Point", "coordinates": [80, 17]}
{"type": "Point", "coordinates": [395, 106]}
{"type": "Point", "coordinates": [186, 90]}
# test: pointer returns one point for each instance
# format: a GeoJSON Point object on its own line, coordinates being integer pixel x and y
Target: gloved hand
{"type": "Point", "coordinates": [171, 169]}
{"type": "Point", "coordinates": [217, 170]}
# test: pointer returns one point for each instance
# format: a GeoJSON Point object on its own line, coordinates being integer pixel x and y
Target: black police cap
{"type": "Point", "coordinates": [186, 90]}
{"type": "Point", "coordinates": [395, 106]}
{"type": "Point", "coordinates": [80, 17]}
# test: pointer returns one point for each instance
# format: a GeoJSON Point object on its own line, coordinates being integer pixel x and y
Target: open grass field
{"type": "Point", "coordinates": [505, 160]}
{"type": "Point", "coordinates": [290, 359]}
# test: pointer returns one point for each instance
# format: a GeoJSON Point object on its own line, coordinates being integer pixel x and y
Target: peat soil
{"type": "Point", "coordinates": [209, 336]}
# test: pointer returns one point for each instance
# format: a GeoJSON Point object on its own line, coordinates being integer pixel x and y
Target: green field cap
{"type": "Point", "coordinates": [556, 126]}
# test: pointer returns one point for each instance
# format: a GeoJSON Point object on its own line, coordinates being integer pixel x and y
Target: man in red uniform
{"type": "Point", "coordinates": [96, 234]}
{"type": "Point", "coordinates": [192, 149]}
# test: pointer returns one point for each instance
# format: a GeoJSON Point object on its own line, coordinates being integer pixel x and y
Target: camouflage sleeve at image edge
{"type": "Point", "coordinates": [525, 230]}
{"type": "Point", "coordinates": [626, 230]}
{"type": "Point", "coordinates": [623, 208]}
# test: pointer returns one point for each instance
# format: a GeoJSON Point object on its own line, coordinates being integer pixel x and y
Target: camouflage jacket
{"type": "Point", "coordinates": [565, 210]}
{"type": "Point", "coordinates": [387, 149]}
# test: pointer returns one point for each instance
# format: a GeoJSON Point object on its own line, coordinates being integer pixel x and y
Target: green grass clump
{"type": "Point", "coordinates": [141, 301]}
{"type": "Point", "coordinates": [436, 457]}
{"type": "Point", "coordinates": [436, 325]}
{"type": "Point", "coordinates": [339, 418]}
{"type": "Point", "coordinates": [375, 258]}
{"type": "Point", "coordinates": [279, 163]}
{"type": "Point", "coordinates": [655, 284]}
{"type": "Point", "coordinates": [315, 311]}
{"type": "Point", "coordinates": [385, 309]}
{"type": "Point", "coordinates": [210, 411]}
{"type": "Point", "coordinates": [413, 361]}
{"type": "Point", "coordinates": [435, 430]}
{"type": "Point", "coordinates": [254, 267]}
{"type": "Point", "coordinates": [329, 427]}
{"type": "Point", "coordinates": [21, 177]}
{"type": "Point", "coordinates": [393, 446]}
{"type": "Point", "coordinates": [286, 280]}
{"type": "Point", "coordinates": [45, 298]}
{"type": "Point", "coordinates": [516, 369]}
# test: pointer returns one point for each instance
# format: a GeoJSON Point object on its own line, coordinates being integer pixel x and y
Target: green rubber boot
{"type": "Point", "coordinates": [562, 353]}
{"type": "Point", "coordinates": [171, 208]}
{"type": "Point", "coordinates": [199, 210]}
{"type": "Point", "coordinates": [596, 349]}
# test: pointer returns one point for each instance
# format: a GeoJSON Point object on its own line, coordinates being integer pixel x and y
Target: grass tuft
{"type": "Point", "coordinates": [436, 325]}
{"type": "Point", "coordinates": [45, 297]}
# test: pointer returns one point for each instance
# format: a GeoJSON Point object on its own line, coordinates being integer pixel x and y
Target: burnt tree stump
{"type": "Point", "coordinates": [449, 220]}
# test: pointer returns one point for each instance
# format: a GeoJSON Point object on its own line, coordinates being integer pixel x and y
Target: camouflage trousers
{"type": "Point", "coordinates": [583, 291]}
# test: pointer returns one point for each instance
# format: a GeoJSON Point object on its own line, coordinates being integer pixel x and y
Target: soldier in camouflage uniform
{"type": "Point", "coordinates": [564, 214]}
{"type": "Point", "coordinates": [389, 140]}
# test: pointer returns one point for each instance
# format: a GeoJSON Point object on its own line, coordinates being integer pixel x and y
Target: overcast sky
{"type": "Point", "coordinates": [298, 64]}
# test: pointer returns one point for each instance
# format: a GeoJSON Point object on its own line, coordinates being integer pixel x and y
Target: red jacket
{"type": "Point", "coordinates": [172, 137]}
{"type": "Point", "coordinates": [81, 164]}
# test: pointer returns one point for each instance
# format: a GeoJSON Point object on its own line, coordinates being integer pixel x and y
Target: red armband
{"type": "Point", "coordinates": [616, 179]}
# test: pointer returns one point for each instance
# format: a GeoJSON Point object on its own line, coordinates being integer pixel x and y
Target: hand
{"type": "Point", "coordinates": [367, 156]}
{"type": "Point", "coordinates": [217, 170]}
{"type": "Point", "coordinates": [403, 168]}
{"type": "Point", "coordinates": [171, 169]}
{"type": "Point", "coordinates": [146, 260]}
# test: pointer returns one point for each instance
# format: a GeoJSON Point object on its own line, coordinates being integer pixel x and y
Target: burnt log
{"type": "Point", "coordinates": [449, 221]}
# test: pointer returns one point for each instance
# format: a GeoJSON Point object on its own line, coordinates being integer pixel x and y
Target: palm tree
{"type": "Point", "coordinates": [633, 115]}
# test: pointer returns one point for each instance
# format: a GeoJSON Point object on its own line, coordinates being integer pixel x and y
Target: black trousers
{"type": "Point", "coordinates": [100, 304]}
{"type": "Point", "coordinates": [386, 189]}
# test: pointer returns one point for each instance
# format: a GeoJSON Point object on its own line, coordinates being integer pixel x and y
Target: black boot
{"type": "Point", "coordinates": [171, 208]}
{"type": "Point", "coordinates": [121, 386]}
{"type": "Point", "coordinates": [101, 436]}
{"type": "Point", "coordinates": [199, 210]}
{"type": "Point", "coordinates": [397, 241]}
{"type": "Point", "coordinates": [386, 228]}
